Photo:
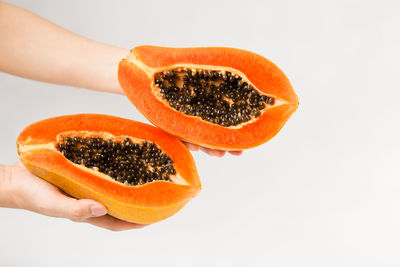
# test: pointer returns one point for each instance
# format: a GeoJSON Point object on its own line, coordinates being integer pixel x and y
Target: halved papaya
{"type": "Point", "coordinates": [139, 172]}
{"type": "Point", "coordinates": [217, 97]}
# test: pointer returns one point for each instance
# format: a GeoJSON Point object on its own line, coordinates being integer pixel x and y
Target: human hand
{"type": "Point", "coordinates": [29, 192]}
{"type": "Point", "coordinates": [210, 151]}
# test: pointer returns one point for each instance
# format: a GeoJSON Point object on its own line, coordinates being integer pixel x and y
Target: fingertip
{"type": "Point", "coordinates": [213, 152]}
{"type": "Point", "coordinates": [191, 146]}
{"type": "Point", "coordinates": [236, 152]}
{"type": "Point", "coordinates": [98, 210]}
{"type": "Point", "coordinates": [220, 153]}
{"type": "Point", "coordinates": [82, 209]}
{"type": "Point", "coordinates": [216, 153]}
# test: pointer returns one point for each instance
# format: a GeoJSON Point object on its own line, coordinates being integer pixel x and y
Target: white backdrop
{"type": "Point", "coordinates": [324, 192]}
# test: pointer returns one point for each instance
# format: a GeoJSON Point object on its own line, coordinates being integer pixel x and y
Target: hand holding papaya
{"type": "Point", "coordinates": [20, 189]}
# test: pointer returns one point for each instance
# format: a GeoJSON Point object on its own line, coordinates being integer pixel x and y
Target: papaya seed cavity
{"type": "Point", "coordinates": [126, 161]}
{"type": "Point", "coordinates": [218, 97]}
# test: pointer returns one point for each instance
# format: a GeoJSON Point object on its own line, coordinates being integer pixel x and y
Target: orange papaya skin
{"type": "Point", "coordinates": [142, 204]}
{"type": "Point", "coordinates": [136, 78]}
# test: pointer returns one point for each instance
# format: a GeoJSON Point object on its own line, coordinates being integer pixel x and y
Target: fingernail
{"type": "Point", "coordinates": [98, 210]}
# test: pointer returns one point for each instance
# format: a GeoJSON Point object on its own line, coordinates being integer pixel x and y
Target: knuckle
{"type": "Point", "coordinates": [77, 214]}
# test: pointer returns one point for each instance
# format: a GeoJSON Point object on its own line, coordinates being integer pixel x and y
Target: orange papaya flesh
{"type": "Point", "coordinates": [140, 77]}
{"type": "Point", "coordinates": [144, 203]}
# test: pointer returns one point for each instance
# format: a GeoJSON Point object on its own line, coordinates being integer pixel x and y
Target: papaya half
{"type": "Point", "coordinates": [216, 97]}
{"type": "Point", "coordinates": [138, 172]}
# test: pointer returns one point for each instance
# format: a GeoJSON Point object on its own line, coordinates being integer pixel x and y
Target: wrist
{"type": "Point", "coordinates": [101, 71]}
{"type": "Point", "coordinates": [115, 55]}
{"type": "Point", "coordinates": [6, 194]}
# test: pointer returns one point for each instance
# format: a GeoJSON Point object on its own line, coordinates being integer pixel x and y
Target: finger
{"type": "Point", "coordinates": [59, 205]}
{"type": "Point", "coordinates": [80, 210]}
{"type": "Point", "coordinates": [90, 211]}
{"type": "Point", "coordinates": [236, 153]}
{"type": "Point", "coordinates": [213, 152]}
{"type": "Point", "coordinates": [113, 224]}
{"type": "Point", "coordinates": [192, 147]}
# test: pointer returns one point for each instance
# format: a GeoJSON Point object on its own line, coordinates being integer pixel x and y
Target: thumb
{"type": "Point", "coordinates": [82, 209]}
{"type": "Point", "coordinates": [76, 210]}
{"type": "Point", "coordinates": [40, 196]}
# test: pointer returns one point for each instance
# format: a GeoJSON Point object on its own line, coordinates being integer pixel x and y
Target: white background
{"type": "Point", "coordinates": [324, 192]}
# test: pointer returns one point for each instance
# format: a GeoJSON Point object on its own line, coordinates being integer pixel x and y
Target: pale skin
{"type": "Point", "coordinates": [34, 48]}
